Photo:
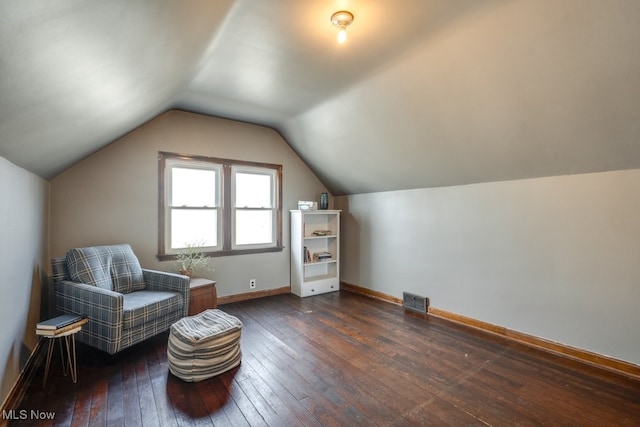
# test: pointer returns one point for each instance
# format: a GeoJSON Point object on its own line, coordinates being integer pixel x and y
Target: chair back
{"type": "Point", "coordinates": [59, 269]}
{"type": "Point", "coordinates": [113, 267]}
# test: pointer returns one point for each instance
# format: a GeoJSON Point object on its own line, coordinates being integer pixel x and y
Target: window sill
{"type": "Point", "coordinates": [228, 252]}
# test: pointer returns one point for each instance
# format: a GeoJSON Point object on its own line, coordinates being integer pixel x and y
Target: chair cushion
{"type": "Point", "coordinates": [143, 306]}
{"type": "Point", "coordinates": [114, 267]}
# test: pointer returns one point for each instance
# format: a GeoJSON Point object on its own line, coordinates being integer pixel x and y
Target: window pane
{"type": "Point", "coordinates": [189, 226]}
{"type": "Point", "coordinates": [253, 227]}
{"type": "Point", "coordinates": [193, 187]}
{"type": "Point", "coordinates": [253, 190]}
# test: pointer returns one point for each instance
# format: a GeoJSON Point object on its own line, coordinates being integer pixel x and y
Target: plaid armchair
{"type": "Point", "coordinates": [125, 303]}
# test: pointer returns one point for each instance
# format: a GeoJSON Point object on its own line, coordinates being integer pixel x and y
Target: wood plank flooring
{"type": "Point", "coordinates": [339, 359]}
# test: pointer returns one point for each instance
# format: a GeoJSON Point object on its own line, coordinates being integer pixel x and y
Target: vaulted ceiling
{"type": "Point", "coordinates": [424, 92]}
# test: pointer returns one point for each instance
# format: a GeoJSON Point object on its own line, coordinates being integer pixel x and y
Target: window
{"type": "Point", "coordinates": [253, 206]}
{"type": "Point", "coordinates": [192, 204]}
{"type": "Point", "coordinates": [228, 206]}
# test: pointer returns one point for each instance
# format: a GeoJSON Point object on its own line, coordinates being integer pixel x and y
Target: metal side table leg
{"type": "Point", "coordinates": [48, 363]}
{"type": "Point", "coordinates": [71, 357]}
{"type": "Point", "coordinates": [65, 366]}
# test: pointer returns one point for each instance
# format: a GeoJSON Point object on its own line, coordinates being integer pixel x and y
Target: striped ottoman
{"type": "Point", "coordinates": [204, 345]}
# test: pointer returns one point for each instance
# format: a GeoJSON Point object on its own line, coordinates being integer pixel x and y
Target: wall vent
{"type": "Point", "coordinates": [414, 302]}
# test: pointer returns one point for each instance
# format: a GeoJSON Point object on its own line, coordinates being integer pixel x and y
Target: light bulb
{"type": "Point", "coordinates": [342, 35]}
{"type": "Point", "coordinates": [341, 20]}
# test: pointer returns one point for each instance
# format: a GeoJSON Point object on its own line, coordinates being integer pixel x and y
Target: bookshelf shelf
{"type": "Point", "coordinates": [321, 278]}
{"type": "Point", "coordinates": [306, 264]}
{"type": "Point", "coordinates": [311, 276]}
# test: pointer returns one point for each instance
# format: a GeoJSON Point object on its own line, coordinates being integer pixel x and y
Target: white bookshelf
{"type": "Point", "coordinates": [313, 277]}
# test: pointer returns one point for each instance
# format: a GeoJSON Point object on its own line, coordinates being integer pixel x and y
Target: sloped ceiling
{"type": "Point", "coordinates": [424, 93]}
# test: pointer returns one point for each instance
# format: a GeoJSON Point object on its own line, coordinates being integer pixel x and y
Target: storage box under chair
{"type": "Point", "coordinates": [204, 345]}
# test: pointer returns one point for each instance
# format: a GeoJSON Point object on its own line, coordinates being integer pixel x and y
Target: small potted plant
{"type": "Point", "coordinates": [191, 258]}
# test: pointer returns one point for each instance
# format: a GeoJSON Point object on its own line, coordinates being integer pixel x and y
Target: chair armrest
{"type": "Point", "coordinates": [102, 306]}
{"type": "Point", "coordinates": [80, 298]}
{"type": "Point", "coordinates": [163, 281]}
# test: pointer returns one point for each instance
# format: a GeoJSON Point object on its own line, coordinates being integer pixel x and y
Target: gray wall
{"type": "Point", "coordinates": [23, 264]}
{"type": "Point", "coordinates": [112, 196]}
{"type": "Point", "coordinates": [493, 91]}
{"type": "Point", "coordinates": [557, 257]}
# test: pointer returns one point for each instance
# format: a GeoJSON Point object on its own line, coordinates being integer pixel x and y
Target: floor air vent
{"type": "Point", "coordinates": [415, 302]}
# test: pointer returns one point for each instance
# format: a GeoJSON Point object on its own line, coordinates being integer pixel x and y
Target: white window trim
{"type": "Point", "coordinates": [235, 169]}
{"type": "Point", "coordinates": [192, 164]}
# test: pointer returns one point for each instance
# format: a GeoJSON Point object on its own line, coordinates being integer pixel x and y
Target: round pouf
{"type": "Point", "coordinates": [204, 345]}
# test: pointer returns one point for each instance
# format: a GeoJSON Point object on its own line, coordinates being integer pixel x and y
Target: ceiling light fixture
{"type": "Point", "coordinates": [342, 19]}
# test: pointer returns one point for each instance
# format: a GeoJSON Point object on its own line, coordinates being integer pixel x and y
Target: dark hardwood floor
{"type": "Point", "coordinates": [340, 359]}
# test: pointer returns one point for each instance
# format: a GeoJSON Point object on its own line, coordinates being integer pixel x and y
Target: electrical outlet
{"type": "Point", "coordinates": [252, 283]}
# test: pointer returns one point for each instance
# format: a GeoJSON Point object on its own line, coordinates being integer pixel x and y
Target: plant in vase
{"type": "Point", "coordinates": [191, 258]}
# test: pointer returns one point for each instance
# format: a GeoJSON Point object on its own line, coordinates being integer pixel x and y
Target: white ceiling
{"type": "Point", "coordinates": [424, 93]}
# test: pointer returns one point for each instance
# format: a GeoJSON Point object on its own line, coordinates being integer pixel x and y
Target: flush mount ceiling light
{"type": "Point", "coordinates": [342, 19]}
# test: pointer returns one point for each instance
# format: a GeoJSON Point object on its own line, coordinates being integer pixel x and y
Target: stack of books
{"type": "Point", "coordinates": [321, 256]}
{"type": "Point", "coordinates": [61, 324]}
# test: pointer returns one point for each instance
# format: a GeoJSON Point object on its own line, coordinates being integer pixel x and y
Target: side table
{"type": "Point", "coordinates": [69, 362]}
{"type": "Point", "coordinates": [202, 295]}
